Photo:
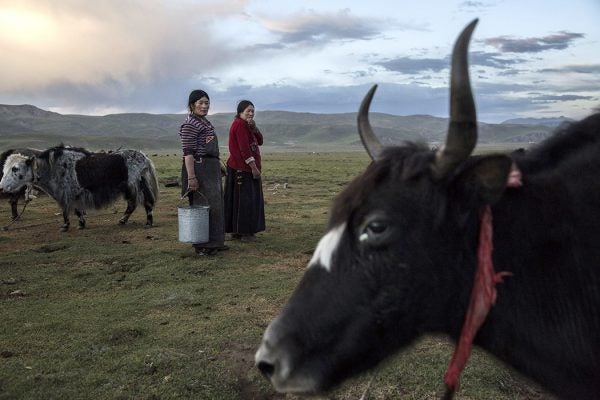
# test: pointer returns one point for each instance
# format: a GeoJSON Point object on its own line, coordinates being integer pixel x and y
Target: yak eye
{"type": "Point", "coordinates": [374, 231]}
{"type": "Point", "coordinates": [15, 169]}
{"type": "Point", "coordinates": [377, 227]}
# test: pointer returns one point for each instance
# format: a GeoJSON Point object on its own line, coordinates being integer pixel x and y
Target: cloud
{"type": "Point", "coordinates": [559, 98]}
{"type": "Point", "coordinates": [40, 40]}
{"type": "Point", "coordinates": [592, 69]}
{"type": "Point", "coordinates": [494, 60]}
{"type": "Point", "coordinates": [313, 27]}
{"type": "Point", "coordinates": [399, 99]}
{"type": "Point", "coordinates": [473, 5]}
{"type": "Point", "coordinates": [558, 41]}
{"type": "Point", "coordinates": [410, 65]}
{"type": "Point", "coordinates": [495, 102]}
{"type": "Point", "coordinates": [117, 61]}
{"type": "Point", "coordinates": [146, 55]}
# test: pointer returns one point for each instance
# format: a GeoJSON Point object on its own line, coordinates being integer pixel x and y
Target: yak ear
{"type": "Point", "coordinates": [486, 178]}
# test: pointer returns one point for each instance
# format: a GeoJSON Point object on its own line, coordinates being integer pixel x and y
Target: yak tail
{"type": "Point", "coordinates": [151, 180]}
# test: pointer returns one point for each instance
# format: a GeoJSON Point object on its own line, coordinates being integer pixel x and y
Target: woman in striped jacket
{"type": "Point", "coordinates": [201, 170]}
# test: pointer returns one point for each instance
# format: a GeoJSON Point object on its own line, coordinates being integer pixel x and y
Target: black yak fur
{"type": "Point", "coordinates": [104, 175]}
{"type": "Point", "coordinates": [378, 298]}
{"type": "Point", "coordinates": [425, 241]}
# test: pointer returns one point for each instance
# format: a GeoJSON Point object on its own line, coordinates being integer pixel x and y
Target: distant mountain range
{"type": "Point", "coordinates": [29, 126]}
{"type": "Point", "coordinates": [551, 122]}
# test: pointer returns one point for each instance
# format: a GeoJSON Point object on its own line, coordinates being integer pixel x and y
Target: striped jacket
{"type": "Point", "coordinates": [198, 137]}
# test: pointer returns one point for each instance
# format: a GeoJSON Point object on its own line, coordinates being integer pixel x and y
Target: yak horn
{"type": "Point", "coordinates": [370, 141]}
{"type": "Point", "coordinates": [462, 130]}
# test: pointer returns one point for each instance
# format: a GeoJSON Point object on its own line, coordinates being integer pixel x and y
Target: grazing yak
{"type": "Point", "coordinates": [436, 241]}
{"type": "Point", "coordinates": [13, 198]}
{"type": "Point", "coordinates": [78, 179]}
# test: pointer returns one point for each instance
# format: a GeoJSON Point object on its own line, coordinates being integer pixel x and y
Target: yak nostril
{"type": "Point", "coordinates": [266, 368]}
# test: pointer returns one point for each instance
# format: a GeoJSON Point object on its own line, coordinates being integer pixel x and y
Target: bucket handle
{"type": "Point", "coordinates": [190, 191]}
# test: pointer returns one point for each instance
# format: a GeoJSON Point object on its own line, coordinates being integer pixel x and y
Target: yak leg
{"type": "Point", "coordinates": [148, 202]}
{"type": "Point", "coordinates": [14, 200]}
{"type": "Point", "coordinates": [66, 224]}
{"type": "Point", "coordinates": [149, 217]}
{"type": "Point", "coordinates": [81, 215]}
{"type": "Point", "coordinates": [131, 204]}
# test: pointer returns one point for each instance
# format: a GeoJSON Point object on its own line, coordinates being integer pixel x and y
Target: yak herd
{"type": "Point", "coordinates": [424, 241]}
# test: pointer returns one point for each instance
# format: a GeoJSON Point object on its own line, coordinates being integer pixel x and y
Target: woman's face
{"type": "Point", "coordinates": [201, 106]}
{"type": "Point", "coordinates": [248, 113]}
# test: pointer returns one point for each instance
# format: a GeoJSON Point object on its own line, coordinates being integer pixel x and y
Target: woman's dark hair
{"type": "Point", "coordinates": [242, 105]}
{"type": "Point", "coordinates": [196, 95]}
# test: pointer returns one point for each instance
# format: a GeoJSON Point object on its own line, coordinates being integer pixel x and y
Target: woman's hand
{"type": "Point", "coordinates": [193, 184]}
{"type": "Point", "coordinates": [255, 172]}
{"type": "Point", "coordinates": [192, 181]}
{"type": "Point", "coordinates": [254, 169]}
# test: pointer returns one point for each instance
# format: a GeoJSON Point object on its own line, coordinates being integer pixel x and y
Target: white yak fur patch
{"type": "Point", "coordinates": [326, 247]}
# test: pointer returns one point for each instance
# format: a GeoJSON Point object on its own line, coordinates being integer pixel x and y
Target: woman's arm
{"type": "Point", "coordinates": [242, 133]}
{"type": "Point", "coordinates": [193, 183]}
{"type": "Point", "coordinates": [189, 135]}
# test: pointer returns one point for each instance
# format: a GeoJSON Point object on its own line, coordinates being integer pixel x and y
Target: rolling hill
{"type": "Point", "coordinates": [27, 125]}
{"type": "Point", "coordinates": [551, 122]}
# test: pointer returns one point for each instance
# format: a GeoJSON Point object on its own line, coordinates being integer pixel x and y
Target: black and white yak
{"type": "Point", "coordinates": [13, 198]}
{"type": "Point", "coordinates": [409, 252]}
{"type": "Point", "coordinates": [78, 179]}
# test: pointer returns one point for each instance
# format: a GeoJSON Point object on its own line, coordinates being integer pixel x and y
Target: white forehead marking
{"type": "Point", "coordinates": [327, 245]}
{"type": "Point", "coordinates": [11, 161]}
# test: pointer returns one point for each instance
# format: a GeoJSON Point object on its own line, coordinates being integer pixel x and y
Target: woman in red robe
{"type": "Point", "coordinates": [244, 202]}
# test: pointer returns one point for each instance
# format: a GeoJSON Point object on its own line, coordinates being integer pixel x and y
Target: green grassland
{"type": "Point", "coordinates": [125, 312]}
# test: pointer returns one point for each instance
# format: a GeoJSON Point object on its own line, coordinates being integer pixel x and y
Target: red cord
{"type": "Point", "coordinates": [483, 296]}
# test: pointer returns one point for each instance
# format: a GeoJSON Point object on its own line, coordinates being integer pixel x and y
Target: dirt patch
{"type": "Point", "coordinates": [240, 358]}
{"type": "Point", "coordinates": [51, 248]}
{"type": "Point", "coordinates": [125, 335]}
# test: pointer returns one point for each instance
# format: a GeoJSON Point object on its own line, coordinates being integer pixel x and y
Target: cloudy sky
{"type": "Point", "coordinates": [534, 58]}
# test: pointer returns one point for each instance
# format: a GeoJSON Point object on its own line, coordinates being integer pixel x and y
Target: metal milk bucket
{"type": "Point", "coordinates": [193, 222]}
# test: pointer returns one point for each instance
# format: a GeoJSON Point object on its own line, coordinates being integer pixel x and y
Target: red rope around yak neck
{"type": "Point", "coordinates": [483, 296]}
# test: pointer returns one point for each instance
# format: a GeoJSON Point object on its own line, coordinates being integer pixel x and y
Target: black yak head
{"type": "Point", "coordinates": [398, 238]}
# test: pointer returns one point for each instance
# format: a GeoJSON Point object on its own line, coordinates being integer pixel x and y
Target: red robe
{"type": "Point", "coordinates": [243, 146]}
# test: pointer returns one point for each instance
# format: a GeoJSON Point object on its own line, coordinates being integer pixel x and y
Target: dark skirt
{"type": "Point", "coordinates": [208, 171]}
{"type": "Point", "coordinates": [244, 203]}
